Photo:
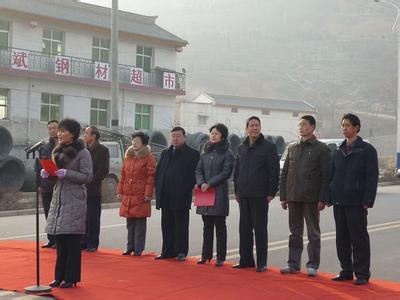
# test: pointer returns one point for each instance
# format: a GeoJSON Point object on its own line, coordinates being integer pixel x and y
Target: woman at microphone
{"type": "Point", "coordinates": [67, 215]}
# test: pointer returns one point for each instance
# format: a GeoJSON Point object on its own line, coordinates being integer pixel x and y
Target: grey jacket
{"type": "Point", "coordinates": [214, 168]}
{"type": "Point", "coordinates": [67, 213]}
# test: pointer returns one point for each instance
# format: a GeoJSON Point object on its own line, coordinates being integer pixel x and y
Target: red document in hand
{"type": "Point", "coordinates": [204, 198]}
{"type": "Point", "coordinates": [49, 166]}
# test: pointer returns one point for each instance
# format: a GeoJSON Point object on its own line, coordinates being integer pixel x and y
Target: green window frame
{"type": "Point", "coordinates": [50, 107]}
{"type": "Point", "coordinates": [101, 50]}
{"type": "Point", "coordinates": [99, 112]}
{"type": "Point", "coordinates": [143, 116]}
{"type": "Point", "coordinates": [144, 58]}
{"type": "Point", "coordinates": [53, 42]}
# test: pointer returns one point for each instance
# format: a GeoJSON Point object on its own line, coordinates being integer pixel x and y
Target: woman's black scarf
{"type": "Point", "coordinates": [64, 154]}
{"type": "Point", "coordinates": [222, 146]}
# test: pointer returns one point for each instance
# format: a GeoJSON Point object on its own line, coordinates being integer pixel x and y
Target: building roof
{"type": "Point", "coordinates": [94, 15]}
{"type": "Point", "coordinates": [263, 103]}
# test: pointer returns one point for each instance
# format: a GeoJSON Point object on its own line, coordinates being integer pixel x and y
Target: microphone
{"type": "Point", "coordinates": [34, 147]}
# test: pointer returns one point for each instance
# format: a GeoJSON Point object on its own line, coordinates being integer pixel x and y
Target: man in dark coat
{"type": "Point", "coordinates": [353, 190]}
{"type": "Point", "coordinates": [256, 179]}
{"type": "Point", "coordinates": [46, 185]}
{"type": "Point", "coordinates": [304, 190]}
{"type": "Point", "coordinates": [101, 163]}
{"type": "Point", "coordinates": [174, 182]}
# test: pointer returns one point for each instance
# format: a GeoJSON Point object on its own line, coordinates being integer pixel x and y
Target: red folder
{"type": "Point", "coordinates": [204, 198]}
{"type": "Point", "coordinates": [49, 166]}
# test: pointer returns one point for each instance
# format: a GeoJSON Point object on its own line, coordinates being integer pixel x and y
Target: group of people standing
{"type": "Point", "coordinates": [312, 178]}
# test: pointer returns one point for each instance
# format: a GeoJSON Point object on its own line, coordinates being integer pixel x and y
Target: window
{"type": "Point", "coordinates": [101, 50]}
{"type": "Point", "coordinates": [295, 114]}
{"type": "Point", "coordinates": [3, 104]}
{"type": "Point", "coordinates": [4, 29]}
{"type": "Point", "coordinates": [50, 107]}
{"type": "Point", "coordinates": [53, 42]}
{"type": "Point", "coordinates": [99, 112]}
{"type": "Point", "coordinates": [266, 112]}
{"type": "Point", "coordinates": [234, 110]}
{"type": "Point", "coordinates": [203, 119]}
{"type": "Point", "coordinates": [142, 116]}
{"type": "Point", "coordinates": [144, 57]}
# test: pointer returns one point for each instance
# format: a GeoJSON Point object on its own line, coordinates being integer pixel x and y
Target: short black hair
{"type": "Point", "coordinates": [178, 128]}
{"type": "Point", "coordinates": [221, 128]}
{"type": "Point", "coordinates": [310, 119]}
{"type": "Point", "coordinates": [94, 130]}
{"type": "Point", "coordinates": [353, 119]}
{"type": "Point", "coordinates": [252, 118]}
{"type": "Point", "coordinates": [72, 126]}
{"type": "Point", "coordinates": [143, 136]}
{"type": "Point", "coordinates": [52, 121]}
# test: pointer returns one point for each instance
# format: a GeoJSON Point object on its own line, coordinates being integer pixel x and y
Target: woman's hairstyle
{"type": "Point", "coordinates": [72, 126]}
{"type": "Point", "coordinates": [143, 136]}
{"type": "Point", "coordinates": [221, 128]}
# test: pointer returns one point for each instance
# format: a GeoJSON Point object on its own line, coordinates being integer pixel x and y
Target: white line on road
{"type": "Point", "coordinates": [327, 237]}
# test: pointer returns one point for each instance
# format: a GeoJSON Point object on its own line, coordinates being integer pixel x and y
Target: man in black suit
{"type": "Point", "coordinates": [174, 182]}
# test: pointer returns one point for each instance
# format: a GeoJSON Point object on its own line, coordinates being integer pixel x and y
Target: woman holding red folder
{"type": "Point", "coordinates": [213, 171]}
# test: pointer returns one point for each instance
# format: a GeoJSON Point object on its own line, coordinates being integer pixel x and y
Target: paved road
{"type": "Point", "coordinates": [384, 227]}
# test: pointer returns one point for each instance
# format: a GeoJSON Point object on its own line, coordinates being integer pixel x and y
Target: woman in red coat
{"type": "Point", "coordinates": [135, 190]}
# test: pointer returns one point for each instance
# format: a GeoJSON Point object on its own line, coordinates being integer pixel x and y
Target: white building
{"type": "Point", "coordinates": [54, 63]}
{"type": "Point", "coordinates": [278, 117]}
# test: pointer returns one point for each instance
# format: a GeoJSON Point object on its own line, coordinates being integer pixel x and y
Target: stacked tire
{"type": "Point", "coordinates": [12, 170]}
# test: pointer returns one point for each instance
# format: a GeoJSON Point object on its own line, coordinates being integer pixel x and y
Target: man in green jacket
{"type": "Point", "coordinates": [304, 191]}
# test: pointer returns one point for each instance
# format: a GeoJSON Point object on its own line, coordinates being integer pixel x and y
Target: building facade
{"type": "Point", "coordinates": [278, 117]}
{"type": "Point", "coordinates": [55, 63]}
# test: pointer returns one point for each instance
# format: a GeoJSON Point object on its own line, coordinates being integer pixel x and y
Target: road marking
{"type": "Point", "coordinates": [323, 235]}
{"type": "Point", "coordinates": [327, 237]}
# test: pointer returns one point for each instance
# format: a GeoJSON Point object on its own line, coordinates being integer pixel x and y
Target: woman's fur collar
{"type": "Point", "coordinates": [222, 146]}
{"type": "Point", "coordinates": [64, 154]}
{"type": "Point", "coordinates": [143, 153]}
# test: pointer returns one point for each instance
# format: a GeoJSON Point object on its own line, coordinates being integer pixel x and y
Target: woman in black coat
{"type": "Point", "coordinates": [213, 171]}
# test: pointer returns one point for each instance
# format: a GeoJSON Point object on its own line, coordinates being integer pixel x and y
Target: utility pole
{"type": "Point", "coordinates": [396, 30]}
{"type": "Point", "coordinates": [114, 67]}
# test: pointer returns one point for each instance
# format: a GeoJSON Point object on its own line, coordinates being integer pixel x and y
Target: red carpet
{"type": "Point", "coordinates": [108, 275]}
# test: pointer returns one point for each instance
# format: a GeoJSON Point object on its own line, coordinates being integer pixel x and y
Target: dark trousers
{"type": "Point", "coordinates": [253, 216]}
{"type": "Point", "coordinates": [46, 200]}
{"type": "Point", "coordinates": [352, 240]}
{"type": "Point", "coordinates": [93, 215]}
{"type": "Point", "coordinates": [298, 212]}
{"type": "Point", "coordinates": [208, 236]}
{"type": "Point", "coordinates": [175, 232]}
{"type": "Point", "coordinates": [68, 264]}
{"type": "Point", "coordinates": [136, 234]}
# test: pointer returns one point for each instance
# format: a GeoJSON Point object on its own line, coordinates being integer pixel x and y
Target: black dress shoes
{"type": "Point", "coordinates": [55, 283]}
{"type": "Point", "coordinates": [239, 266]}
{"type": "Point", "coordinates": [361, 281]}
{"type": "Point", "coordinates": [91, 250]}
{"type": "Point", "coordinates": [67, 285]}
{"type": "Point", "coordinates": [202, 261]}
{"type": "Point", "coordinates": [162, 256]}
{"type": "Point", "coordinates": [219, 263]}
{"type": "Point", "coordinates": [342, 277]}
{"type": "Point", "coordinates": [181, 257]}
{"type": "Point", "coordinates": [48, 245]}
{"type": "Point", "coordinates": [138, 253]}
{"type": "Point", "coordinates": [127, 252]}
{"type": "Point", "coordinates": [261, 269]}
